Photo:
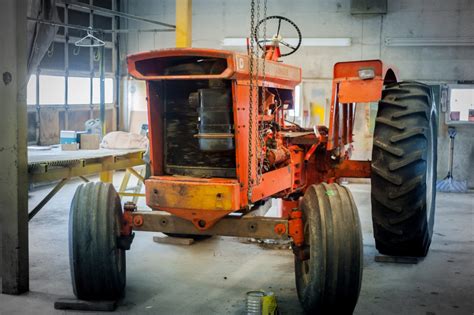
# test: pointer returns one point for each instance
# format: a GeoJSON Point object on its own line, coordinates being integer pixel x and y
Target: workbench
{"type": "Point", "coordinates": [56, 165]}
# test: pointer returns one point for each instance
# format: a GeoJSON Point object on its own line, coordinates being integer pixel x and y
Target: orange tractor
{"type": "Point", "coordinates": [221, 149]}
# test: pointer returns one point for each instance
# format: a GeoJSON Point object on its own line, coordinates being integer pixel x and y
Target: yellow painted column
{"type": "Point", "coordinates": [184, 22]}
{"type": "Point", "coordinates": [107, 176]}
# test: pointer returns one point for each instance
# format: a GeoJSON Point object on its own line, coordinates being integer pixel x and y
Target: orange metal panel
{"type": "Point", "coordinates": [360, 91]}
{"type": "Point", "coordinates": [348, 88]}
{"type": "Point", "coordinates": [348, 168]}
{"type": "Point", "coordinates": [276, 74]}
{"type": "Point", "coordinates": [241, 95]}
{"type": "Point", "coordinates": [191, 193]}
{"type": "Point", "coordinates": [180, 52]}
{"type": "Point", "coordinates": [350, 69]}
{"type": "Point", "coordinates": [272, 183]}
{"type": "Point", "coordinates": [352, 89]}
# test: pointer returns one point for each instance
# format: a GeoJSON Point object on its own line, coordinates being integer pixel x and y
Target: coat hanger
{"type": "Point", "coordinates": [90, 40]}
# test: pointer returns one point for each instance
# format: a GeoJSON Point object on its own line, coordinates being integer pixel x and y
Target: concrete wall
{"type": "Point", "coordinates": [214, 20]}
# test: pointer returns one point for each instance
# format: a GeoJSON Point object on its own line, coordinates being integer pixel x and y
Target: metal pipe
{"type": "Point", "coordinates": [97, 30]}
{"type": "Point", "coordinates": [115, 13]}
{"type": "Point", "coordinates": [152, 30]}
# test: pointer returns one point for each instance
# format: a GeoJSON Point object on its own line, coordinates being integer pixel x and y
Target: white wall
{"type": "Point", "coordinates": [214, 20]}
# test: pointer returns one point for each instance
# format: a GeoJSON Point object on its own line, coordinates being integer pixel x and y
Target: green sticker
{"type": "Point", "coordinates": [330, 192]}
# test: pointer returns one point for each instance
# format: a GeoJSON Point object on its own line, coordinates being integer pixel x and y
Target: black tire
{"type": "Point", "coordinates": [329, 282]}
{"type": "Point", "coordinates": [97, 264]}
{"type": "Point", "coordinates": [404, 170]}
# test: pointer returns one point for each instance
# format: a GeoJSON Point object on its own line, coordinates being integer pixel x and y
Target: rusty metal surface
{"type": "Point", "coordinates": [240, 226]}
{"type": "Point", "coordinates": [192, 193]}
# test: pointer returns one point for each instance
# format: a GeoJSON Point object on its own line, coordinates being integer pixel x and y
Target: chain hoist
{"type": "Point", "coordinates": [251, 96]}
{"type": "Point", "coordinates": [262, 95]}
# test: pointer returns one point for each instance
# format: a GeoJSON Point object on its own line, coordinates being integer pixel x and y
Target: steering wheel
{"type": "Point", "coordinates": [277, 37]}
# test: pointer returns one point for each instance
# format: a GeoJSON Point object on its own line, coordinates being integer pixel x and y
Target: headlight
{"type": "Point", "coordinates": [366, 73]}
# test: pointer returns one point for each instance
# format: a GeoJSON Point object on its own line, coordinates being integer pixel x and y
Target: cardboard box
{"type": "Point", "coordinates": [90, 141]}
{"type": "Point", "coordinates": [70, 146]}
{"type": "Point", "coordinates": [67, 137]}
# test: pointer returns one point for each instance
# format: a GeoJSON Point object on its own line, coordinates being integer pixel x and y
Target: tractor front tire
{"type": "Point", "coordinates": [329, 281]}
{"type": "Point", "coordinates": [97, 263]}
{"type": "Point", "coordinates": [404, 170]}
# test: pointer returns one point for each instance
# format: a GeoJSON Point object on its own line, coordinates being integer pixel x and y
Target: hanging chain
{"type": "Point", "coordinates": [262, 96]}
{"type": "Point", "coordinates": [257, 54]}
{"type": "Point", "coordinates": [257, 147]}
{"type": "Point", "coordinates": [251, 92]}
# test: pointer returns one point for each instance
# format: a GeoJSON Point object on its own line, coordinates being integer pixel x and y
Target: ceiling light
{"type": "Point", "coordinates": [429, 41]}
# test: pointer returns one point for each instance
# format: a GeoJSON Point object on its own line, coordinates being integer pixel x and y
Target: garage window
{"type": "Point", "coordinates": [51, 90]}
{"type": "Point", "coordinates": [109, 90]}
{"type": "Point", "coordinates": [31, 91]}
{"type": "Point", "coordinates": [79, 90]}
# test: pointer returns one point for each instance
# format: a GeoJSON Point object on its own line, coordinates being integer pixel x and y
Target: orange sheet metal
{"type": "Point", "coordinates": [349, 88]}
{"type": "Point", "coordinates": [358, 91]}
{"type": "Point", "coordinates": [272, 183]}
{"type": "Point", "coordinates": [352, 89]}
{"type": "Point", "coordinates": [348, 168]}
{"type": "Point", "coordinates": [149, 66]}
{"type": "Point", "coordinates": [166, 192]}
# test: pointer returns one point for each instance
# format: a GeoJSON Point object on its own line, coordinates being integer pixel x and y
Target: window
{"type": "Point", "coordinates": [52, 90]}
{"type": "Point", "coordinates": [31, 91]}
{"type": "Point", "coordinates": [295, 112]}
{"type": "Point", "coordinates": [79, 90]}
{"type": "Point", "coordinates": [461, 103]}
{"type": "Point", "coordinates": [109, 90]}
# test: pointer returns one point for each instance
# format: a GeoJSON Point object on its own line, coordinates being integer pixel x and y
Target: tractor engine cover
{"type": "Point", "coordinates": [215, 120]}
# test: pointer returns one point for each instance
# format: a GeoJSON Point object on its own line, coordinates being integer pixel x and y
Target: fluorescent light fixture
{"type": "Point", "coordinates": [428, 41]}
{"type": "Point", "coordinates": [306, 42]}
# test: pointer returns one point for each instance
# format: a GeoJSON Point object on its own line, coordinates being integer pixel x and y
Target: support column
{"type": "Point", "coordinates": [13, 154]}
{"type": "Point", "coordinates": [184, 22]}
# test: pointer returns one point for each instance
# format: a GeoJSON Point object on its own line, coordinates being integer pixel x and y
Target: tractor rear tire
{"type": "Point", "coordinates": [404, 170]}
{"type": "Point", "coordinates": [97, 263]}
{"type": "Point", "coordinates": [329, 281]}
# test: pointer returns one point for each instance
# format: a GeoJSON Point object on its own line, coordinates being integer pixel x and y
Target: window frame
{"type": "Point", "coordinates": [447, 115]}
{"type": "Point", "coordinates": [75, 74]}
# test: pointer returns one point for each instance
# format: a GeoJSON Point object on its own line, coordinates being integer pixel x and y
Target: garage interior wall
{"type": "Point", "coordinates": [328, 18]}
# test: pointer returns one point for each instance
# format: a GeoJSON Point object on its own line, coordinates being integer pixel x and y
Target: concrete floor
{"type": "Point", "coordinates": [212, 276]}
